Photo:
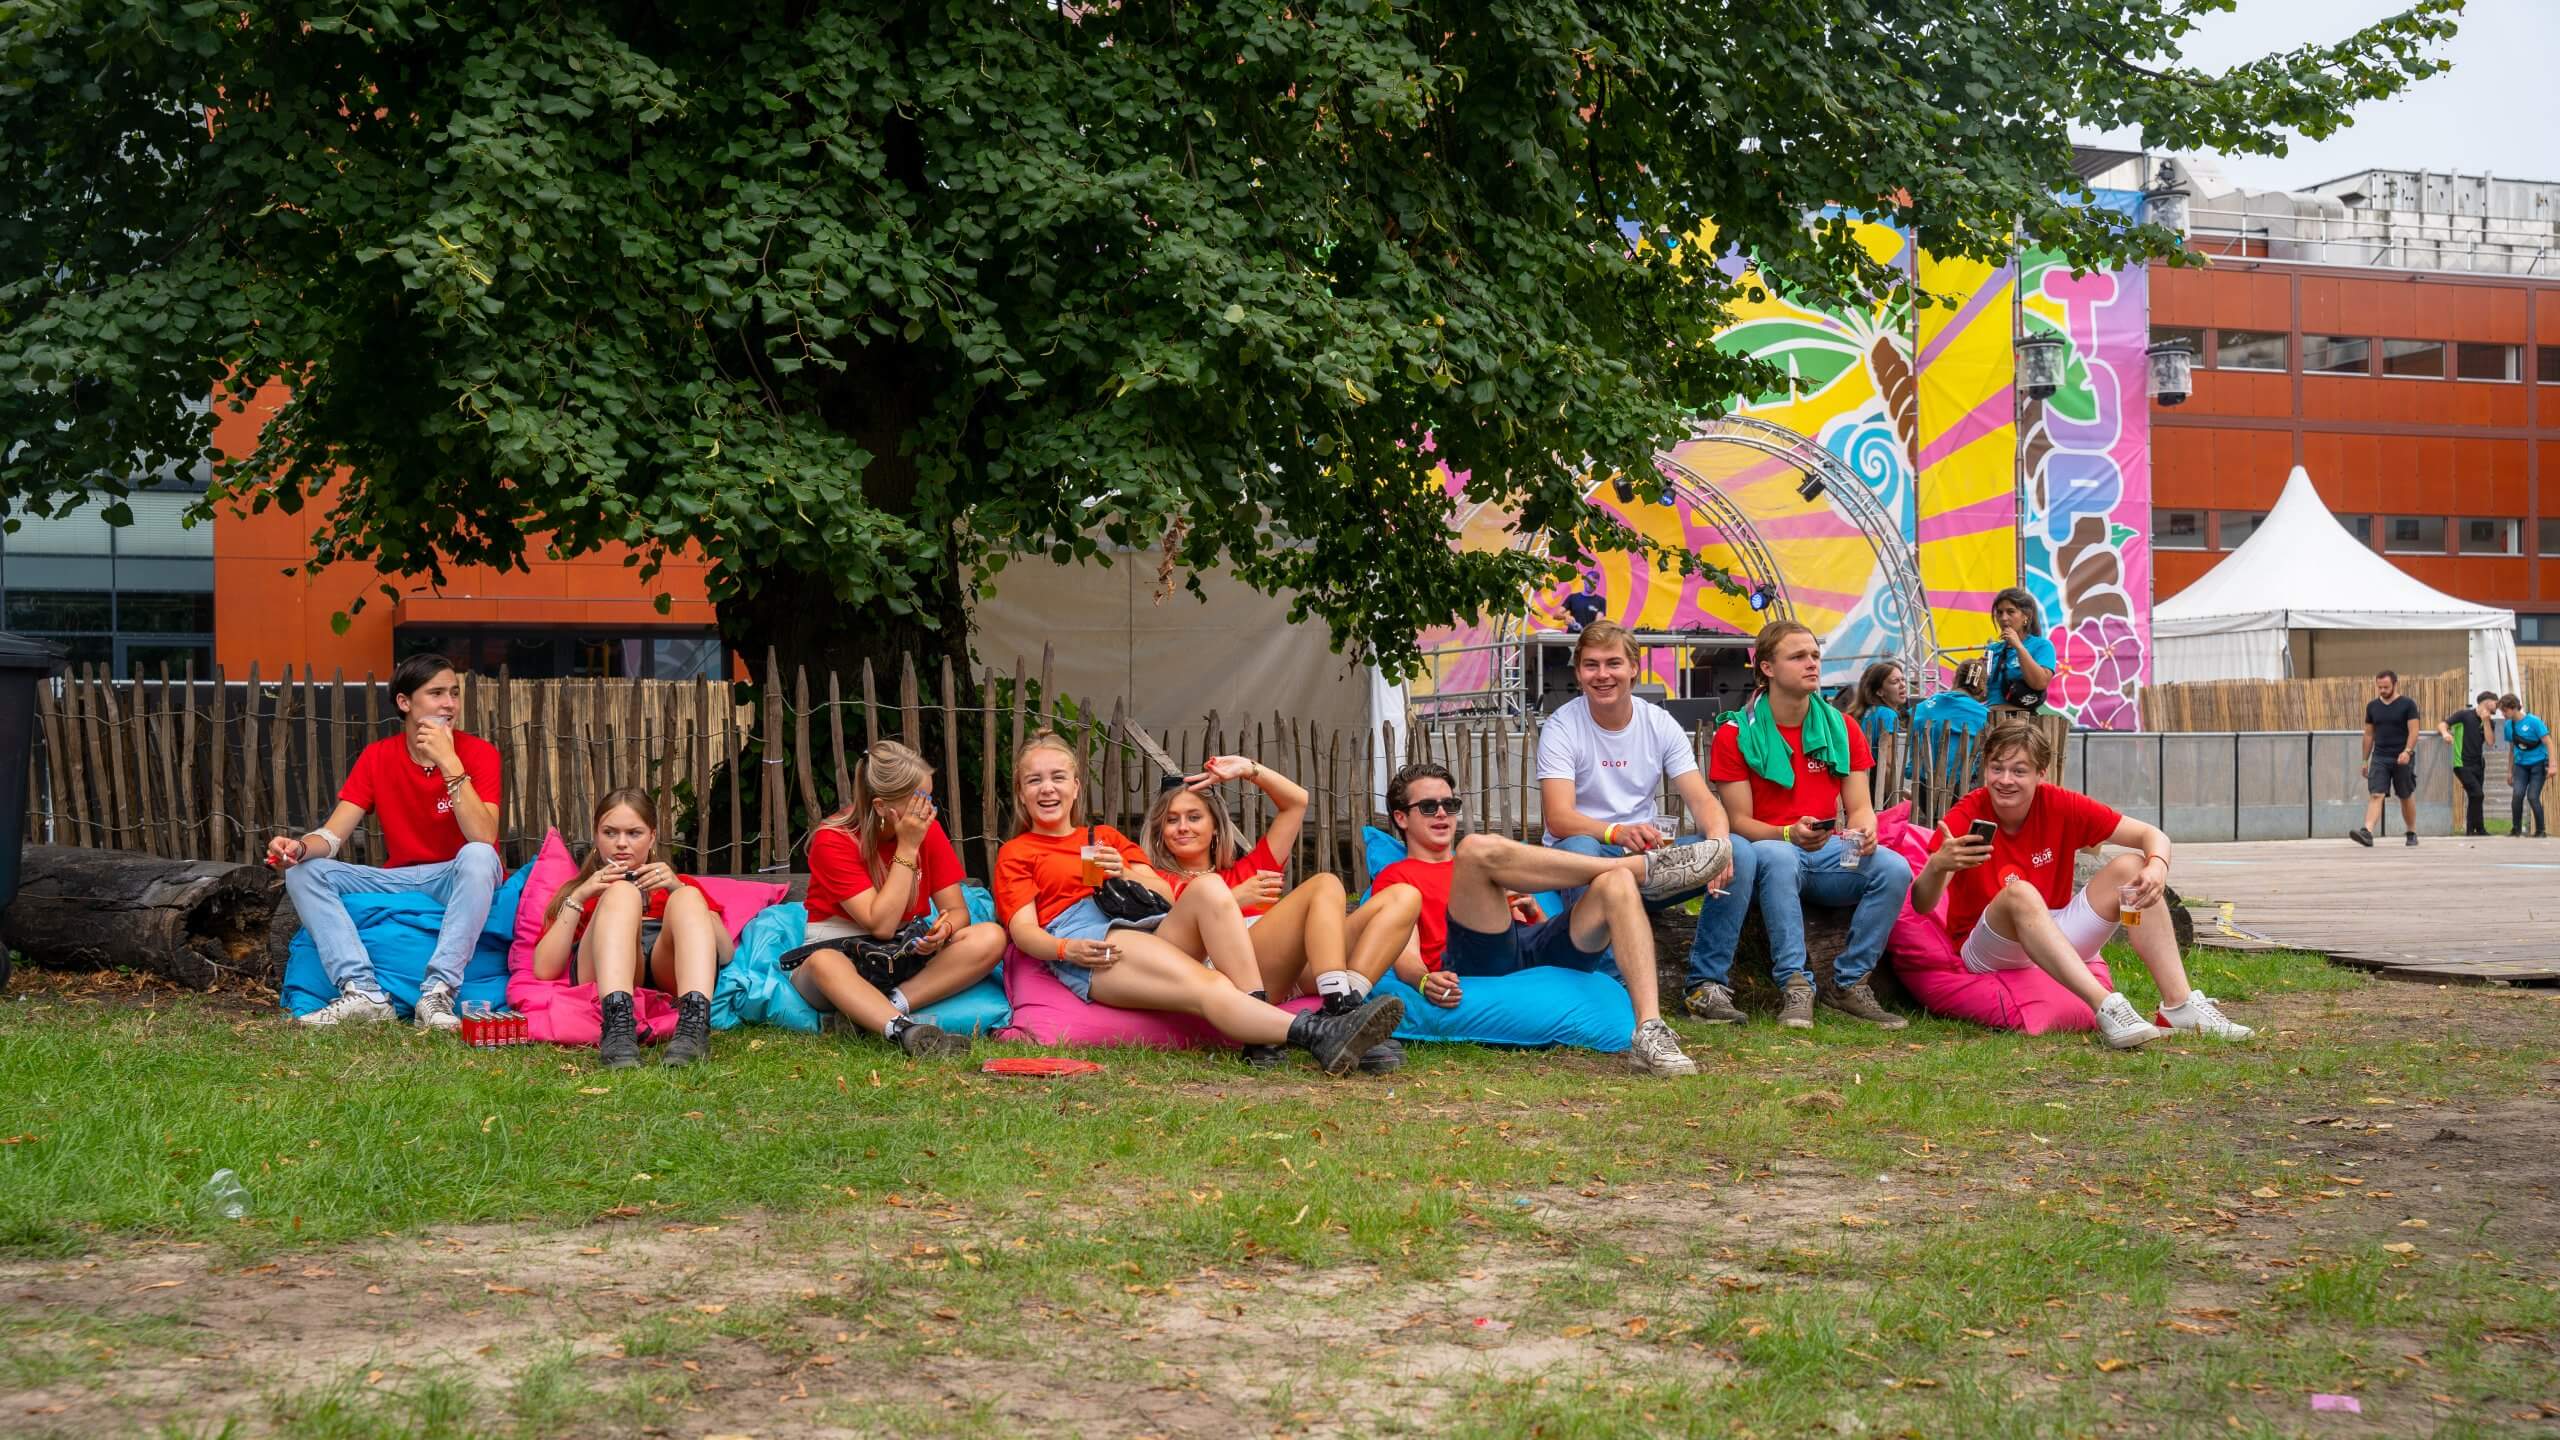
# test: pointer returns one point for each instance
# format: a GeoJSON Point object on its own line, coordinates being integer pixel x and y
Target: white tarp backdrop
{"type": "Point", "coordinates": [2303, 570]}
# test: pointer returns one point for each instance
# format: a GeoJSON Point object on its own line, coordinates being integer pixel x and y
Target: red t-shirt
{"type": "Point", "coordinates": [1816, 794]}
{"type": "Point", "coordinates": [1256, 861]}
{"type": "Point", "coordinates": [1431, 879]}
{"type": "Point", "coordinates": [2059, 824]}
{"type": "Point", "coordinates": [657, 903]}
{"type": "Point", "coordinates": [837, 872]}
{"type": "Point", "coordinates": [1046, 872]}
{"type": "Point", "coordinates": [418, 827]}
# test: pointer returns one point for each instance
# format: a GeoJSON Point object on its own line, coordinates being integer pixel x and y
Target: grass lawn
{"type": "Point", "coordinates": [1940, 1232]}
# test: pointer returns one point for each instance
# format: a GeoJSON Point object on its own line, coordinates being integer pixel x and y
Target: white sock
{"type": "Point", "coordinates": [898, 998]}
{"type": "Point", "coordinates": [1343, 982]}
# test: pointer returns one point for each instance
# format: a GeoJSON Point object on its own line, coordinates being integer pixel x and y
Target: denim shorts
{"type": "Point", "coordinates": [1520, 947]}
{"type": "Point", "coordinates": [1083, 920]}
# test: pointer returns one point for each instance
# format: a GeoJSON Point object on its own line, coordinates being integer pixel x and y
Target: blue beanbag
{"type": "Point", "coordinates": [754, 991]}
{"type": "Point", "coordinates": [1544, 1005]}
{"type": "Point", "coordinates": [399, 932]}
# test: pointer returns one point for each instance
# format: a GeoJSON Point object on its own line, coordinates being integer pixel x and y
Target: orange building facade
{"type": "Point", "coordinates": [2424, 405]}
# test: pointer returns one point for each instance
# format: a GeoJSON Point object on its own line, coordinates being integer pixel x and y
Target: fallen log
{"type": "Point", "coordinates": [196, 922]}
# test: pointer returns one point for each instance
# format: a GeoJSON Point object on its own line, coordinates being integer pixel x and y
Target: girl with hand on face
{"type": "Point", "coordinates": [628, 914]}
{"type": "Point", "coordinates": [876, 866]}
{"type": "Point", "coordinates": [2020, 664]}
{"type": "Point", "coordinates": [1302, 941]}
{"type": "Point", "coordinates": [1047, 878]}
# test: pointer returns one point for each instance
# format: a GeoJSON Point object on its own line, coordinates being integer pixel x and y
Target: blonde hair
{"type": "Point", "coordinates": [1222, 850]}
{"type": "Point", "coordinates": [887, 771]}
{"type": "Point", "coordinates": [1046, 740]}
{"type": "Point", "coordinates": [1605, 632]}
{"type": "Point", "coordinates": [639, 803]}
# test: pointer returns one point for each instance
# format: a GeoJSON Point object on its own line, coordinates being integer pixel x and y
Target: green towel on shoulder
{"type": "Point", "coordinates": [1826, 738]}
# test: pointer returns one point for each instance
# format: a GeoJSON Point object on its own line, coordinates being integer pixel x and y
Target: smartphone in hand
{"type": "Point", "coordinates": [1983, 830]}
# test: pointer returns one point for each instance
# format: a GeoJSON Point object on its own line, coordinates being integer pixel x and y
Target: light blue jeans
{"type": "Point", "coordinates": [1789, 876]}
{"type": "Point", "coordinates": [465, 884]}
{"type": "Point", "coordinates": [1719, 917]}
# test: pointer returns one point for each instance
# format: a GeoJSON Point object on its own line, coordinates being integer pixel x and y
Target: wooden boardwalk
{"type": "Point", "coordinates": [2450, 911]}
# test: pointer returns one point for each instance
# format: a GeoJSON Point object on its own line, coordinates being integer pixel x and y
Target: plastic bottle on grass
{"type": "Point", "coordinates": [225, 1196]}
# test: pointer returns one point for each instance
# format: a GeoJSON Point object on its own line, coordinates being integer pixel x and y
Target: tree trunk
{"type": "Point", "coordinates": [800, 619]}
{"type": "Point", "coordinates": [193, 921]}
{"type": "Point", "coordinates": [1826, 934]}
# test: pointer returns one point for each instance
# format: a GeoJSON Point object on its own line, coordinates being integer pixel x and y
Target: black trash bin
{"type": "Point", "coordinates": [24, 664]}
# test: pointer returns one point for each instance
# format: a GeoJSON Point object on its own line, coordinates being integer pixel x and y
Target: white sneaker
{"type": "Point", "coordinates": [2121, 1027]}
{"type": "Point", "coordinates": [1656, 1051]}
{"type": "Point", "coordinates": [2202, 1016]}
{"type": "Point", "coordinates": [352, 1009]}
{"type": "Point", "coordinates": [434, 1010]}
{"type": "Point", "coordinates": [1679, 869]}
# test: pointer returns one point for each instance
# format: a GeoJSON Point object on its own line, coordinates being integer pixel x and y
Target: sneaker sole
{"type": "Point", "coordinates": [1386, 1014]}
{"type": "Point", "coordinates": [2364, 840]}
{"type": "Point", "coordinates": [1886, 1021]}
{"type": "Point", "coordinates": [1636, 1062]}
{"type": "Point", "coordinates": [2132, 1042]}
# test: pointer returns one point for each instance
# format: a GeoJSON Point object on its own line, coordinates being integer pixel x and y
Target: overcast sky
{"type": "Point", "coordinates": [2497, 109]}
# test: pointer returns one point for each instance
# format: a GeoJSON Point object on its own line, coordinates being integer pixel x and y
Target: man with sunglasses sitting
{"type": "Point", "coordinates": [1474, 921]}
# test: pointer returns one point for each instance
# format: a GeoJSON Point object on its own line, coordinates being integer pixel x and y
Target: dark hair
{"type": "Point", "coordinates": [2391, 675]}
{"type": "Point", "coordinates": [2484, 695]}
{"type": "Point", "coordinates": [2019, 733]}
{"type": "Point", "coordinates": [416, 671]}
{"type": "Point", "coordinates": [2024, 601]}
{"type": "Point", "coordinates": [638, 803]}
{"type": "Point", "coordinates": [1401, 785]}
{"type": "Point", "coordinates": [1868, 697]}
{"type": "Point", "coordinates": [2510, 702]}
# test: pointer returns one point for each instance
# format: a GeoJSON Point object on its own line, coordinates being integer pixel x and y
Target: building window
{"type": "Point", "coordinates": [2192, 334]}
{"type": "Point", "coordinates": [2484, 362]}
{"type": "Point", "coordinates": [2177, 529]}
{"type": "Point", "coordinates": [2548, 362]}
{"type": "Point", "coordinates": [2248, 350]}
{"type": "Point", "coordinates": [2490, 537]}
{"type": "Point", "coordinates": [129, 598]}
{"type": "Point", "coordinates": [2337, 354]}
{"type": "Point", "coordinates": [2549, 537]}
{"type": "Point", "coordinates": [2538, 629]}
{"type": "Point", "coordinates": [2232, 528]}
{"type": "Point", "coordinates": [2360, 526]}
{"type": "Point", "coordinates": [2413, 359]}
{"type": "Point", "coordinates": [2413, 535]}
{"type": "Point", "coordinates": [571, 654]}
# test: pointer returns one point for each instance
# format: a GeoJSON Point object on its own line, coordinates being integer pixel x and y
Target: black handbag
{"type": "Point", "coordinates": [1123, 899]}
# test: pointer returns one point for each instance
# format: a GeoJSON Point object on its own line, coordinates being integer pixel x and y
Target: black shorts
{"type": "Point", "coordinates": [2388, 775]}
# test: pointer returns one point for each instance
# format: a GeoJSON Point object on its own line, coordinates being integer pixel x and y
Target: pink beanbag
{"type": "Point", "coordinates": [564, 1013]}
{"type": "Point", "coordinates": [1926, 962]}
{"type": "Point", "coordinates": [1048, 1013]}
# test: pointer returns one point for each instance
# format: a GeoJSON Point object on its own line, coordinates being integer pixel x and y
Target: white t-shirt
{"type": "Point", "coordinates": [1614, 772]}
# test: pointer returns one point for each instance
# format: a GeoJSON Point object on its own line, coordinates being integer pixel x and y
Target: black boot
{"type": "Point", "coordinates": [1338, 1041]}
{"type": "Point", "coordinates": [1384, 1058]}
{"type": "Point", "coordinates": [1262, 1057]}
{"type": "Point", "coordinates": [619, 1046]}
{"type": "Point", "coordinates": [693, 1030]}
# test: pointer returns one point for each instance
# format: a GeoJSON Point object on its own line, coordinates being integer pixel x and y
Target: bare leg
{"type": "Point", "coordinates": [1612, 913]}
{"type": "Point", "coordinates": [2018, 913]}
{"type": "Point", "coordinates": [2155, 940]}
{"type": "Point", "coordinates": [2372, 811]}
{"type": "Point", "coordinates": [970, 957]}
{"type": "Point", "coordinates": [1206, 925]}
{"type": "Point", "coordinates": [692, 945]}
{"type": "Point", "coordinates": [1153, 975]}
{"type": "Point", "coordinates": [2409, 814]}
{"type": "Point", "coordinates": [1489, 865]}
{"type": "Point", "coordinates": [829, 975]}
{"type": "Point", "coordinates": [610, 950]}
{"type": "Point", "coordinates": [1377, 932]}
{"type": "Point", "coordinates": [1303, 934]}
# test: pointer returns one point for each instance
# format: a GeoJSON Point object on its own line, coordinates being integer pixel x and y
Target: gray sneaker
{"type": "Point", "coordinates": [1679, 869]}
{"type": "Point", "coordinates": [1656, 1051]}
{"type": "Point", "coordinates": [1859, 1002]}
{"type": "Point", "coordinates": [352, 1009]}
{"type": "Point", "coordinates": [1797, 1013]}
{"type": "Point", "coordinates": [434, 1010]}
{"type": "Point", "coordinates": [1713, 1003]}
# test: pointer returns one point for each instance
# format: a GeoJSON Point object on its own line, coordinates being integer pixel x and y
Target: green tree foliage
{"type": "Point", "coordinates": [858, 298]}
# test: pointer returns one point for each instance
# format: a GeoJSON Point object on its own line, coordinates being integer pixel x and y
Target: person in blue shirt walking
{"type": "Point", "coordinates": [2532, 765]}
{"type": "Point", "coordinates": [2019, 665]}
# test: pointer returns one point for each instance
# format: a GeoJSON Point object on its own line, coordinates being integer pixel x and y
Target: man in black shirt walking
{"type": "Point", "coordinates": [2390, 757]}
{"type": "Point", "coordinates": [2467, 731]}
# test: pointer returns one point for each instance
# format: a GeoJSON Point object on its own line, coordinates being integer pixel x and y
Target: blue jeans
{"type": "Point", "coordinates": [2525, 788]}
{"type": "Point", "coordinates": [1719, 917]}
{"type": "Point", "coordinates": [1789, 876]}
{"type": "Point", "coordinates": [465, 884]}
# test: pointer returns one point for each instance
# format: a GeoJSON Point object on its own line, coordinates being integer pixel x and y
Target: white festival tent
{"type": "Point", "coordinates": [2303, 571]}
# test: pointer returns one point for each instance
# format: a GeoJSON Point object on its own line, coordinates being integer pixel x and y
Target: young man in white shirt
{"type": "Point", "coordinates": [1601, 758]}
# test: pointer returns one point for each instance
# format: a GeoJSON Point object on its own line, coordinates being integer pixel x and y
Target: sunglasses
{"type": "Point", "coordinates": [1450, 806]}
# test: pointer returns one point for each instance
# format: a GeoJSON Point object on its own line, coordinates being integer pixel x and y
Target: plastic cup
{"type": "Point", "coordinates": [2127, 897]}
{"type": "Point", "coordinates": [1092, 857]}
{"type": "Point", "coordinates": [1850, 840]}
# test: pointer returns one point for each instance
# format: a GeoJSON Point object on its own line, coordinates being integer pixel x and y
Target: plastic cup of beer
{"type": "Point", "coordinates": [2128, 899]}
{"type": "Point", "coordinates": [1092, 857]}
{"type": "Point", "coordinates": [1850, 843]}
